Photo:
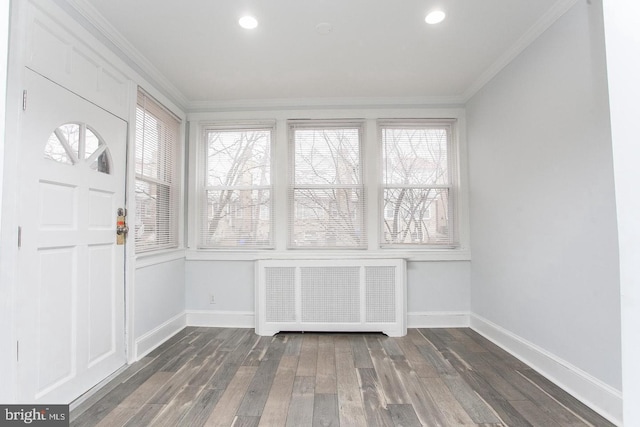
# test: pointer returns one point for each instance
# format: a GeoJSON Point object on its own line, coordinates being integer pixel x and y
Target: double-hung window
{"type": "Point", "coordinates": [236, 207]}
{"type": "Point", "coordinates": [157, 183]}
{"type": "Point", "coordinates": [418, 184]}
{"type": "Point", "coordinates": [326, 192]}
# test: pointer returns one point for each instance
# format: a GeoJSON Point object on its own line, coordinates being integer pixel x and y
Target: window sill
{"type": "Point", "coordinates": [255, 255]}
{"type": "Point", "coordinates": [148, 259]}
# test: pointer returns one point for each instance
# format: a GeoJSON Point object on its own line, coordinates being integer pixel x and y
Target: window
{"type": "Point", "coordinates": [326, 198]}
{"type": "Point", "coordinates": [417, 184]}
{"type": "Point", "coordinates": [157, 183]}
{"type": "Point", "coordinates": [236, 206]}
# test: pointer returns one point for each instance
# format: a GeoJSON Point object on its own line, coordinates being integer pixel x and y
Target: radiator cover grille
{"type": "Point", "coordinates": [331, 295]}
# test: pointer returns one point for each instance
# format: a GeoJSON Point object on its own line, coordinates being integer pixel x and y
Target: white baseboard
{"type": "Point", "coordinates": [221, 319]}
{"type": "Point", "coordinates": [152, 339]}
{"type": "Point", "coordinates": [438, 319]}
{"type": "Point", "coordinates": [246, 319]}
{"type": "Point", "coordinates": [602, 398]}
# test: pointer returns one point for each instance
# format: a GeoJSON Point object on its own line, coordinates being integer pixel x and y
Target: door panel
{"type": "Point", "coordinates": [71, 275]}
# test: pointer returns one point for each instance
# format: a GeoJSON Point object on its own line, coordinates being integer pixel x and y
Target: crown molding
{"type": "Point", "coordinates": [149, 71]}
{"type": "Point", "coordinates": [314, 103]}
{"type": "Point", "coordinates": [130, 53]}
{"type": "Point", "coordinates": [535, 31]}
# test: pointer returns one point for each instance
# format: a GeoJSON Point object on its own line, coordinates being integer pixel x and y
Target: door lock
{"type": "Point", "coordinates": [121, 226]}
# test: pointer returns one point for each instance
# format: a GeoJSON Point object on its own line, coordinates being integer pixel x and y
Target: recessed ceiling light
{"type": "Point", "coordinates": [248, 22]}
{"type": "Point", "coordinates": [435, 17]}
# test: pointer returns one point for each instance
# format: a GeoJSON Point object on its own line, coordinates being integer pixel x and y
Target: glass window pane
{"type": "Point", "coordinates": [416, 216]}
{"type": "Point", "coordinates": [54, 150]}
{"type": "Point", "coordinates": [415, 156]}
{"type": "Point", "coordinates": [237, 218]}
{"type": "Point", "coordinates": [328, 218]}
{"type": "Point", "coordinates": [238, 158]}
{"type": "Point", "coordinates": [70, 133]}
{"type": "Point", "coordinates": [101, 163]}
{"type": "Point", "coordinates": [327, 156]}
{"type": "Point", "coordinates": [148, 143]}
{"type": "Point", "coordinates": [91, 143]}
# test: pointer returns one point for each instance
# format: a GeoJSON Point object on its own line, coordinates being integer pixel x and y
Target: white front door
{"type": "Point", "coordinates": [71, 272]}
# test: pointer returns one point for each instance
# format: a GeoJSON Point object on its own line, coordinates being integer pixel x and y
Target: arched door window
{"type": "Point", "coordinates": [77, 144]}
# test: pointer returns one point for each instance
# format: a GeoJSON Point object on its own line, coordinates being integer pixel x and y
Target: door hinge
{"type": "Point", "coordinates": [24, 100]}
{"type": "Point", "coordinates": [17, 351]}
{"type": "Point", "coordinates": [19, 237]}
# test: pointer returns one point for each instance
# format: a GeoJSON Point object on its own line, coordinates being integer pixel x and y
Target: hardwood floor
{"type": "Point", "coordinates": [431, 377]}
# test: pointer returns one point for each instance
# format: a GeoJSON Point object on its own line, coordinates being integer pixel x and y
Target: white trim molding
{"type": "Point", "coordinates": [601, 397]}
{"type": "Point", "coordinates": [221, 319]}
{"type": "Point", "coordinates": [438, 319]}
{"type": "Point", "coordinates": [157, 336]}
{"type": "Point", "coordinates": [246, 319]}
{"type": "Point", "coordinates": [536, 30]}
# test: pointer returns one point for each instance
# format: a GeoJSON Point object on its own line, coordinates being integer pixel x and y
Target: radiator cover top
{"type": "Point", "coordinates": [331, 295]}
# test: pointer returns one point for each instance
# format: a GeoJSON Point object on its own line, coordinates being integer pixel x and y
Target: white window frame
{"type": "Point", "coordinates": [451, 186]}
{"type": "Point", "coordinates": [171, 183]}
{"type": "Point", "coordinates": [294, 125]}
{"type": "Point", "coordinates": [371, 155]}
{"type": "Point", "coordinates": [233, 211]}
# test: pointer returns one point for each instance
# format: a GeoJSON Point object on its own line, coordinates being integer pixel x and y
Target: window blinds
{"type": "Point", "coordinates": [236, 205]}
{"type": "Point", "coordinates": [157, 183]}
{"type": "Point", "coordinates": [417, 184]}
{"type": "Point", "coordinates": [326, 197]}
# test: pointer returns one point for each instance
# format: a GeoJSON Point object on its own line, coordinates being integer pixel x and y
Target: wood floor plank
{"type": "Point", "coordinates": [545, 402]}
{"type": "Point", "coordinates": [231, 363]}
{"type": "Point", "coordinates": [130, 405]}
{"type": "Point", "coordinates": [453, 413]}
{"type": "Point", "coordinates": [391, 385]}
{"type": "Point", "coordinates": [424, 406]}
{"type": "Point", "coordinates": [361, 356]}
{"type": "Point", "coordinates": [373, 400]}
{"type": "Point", "coordinates": [294, 343]}
{"type": "Point", "coordinates": [391, 347]}
{"type": "Point", "coordinates": [145, 415]}
{"type": "Point", "coordinates": [242, 421]}
{"type": "Point", "coordinates": [564, 398]}
{"type": "Point", "coordinates": [325, 382]}
{"type": "Point", "coordinates": [478, 410]}
{"type": "Point", "coordinates": [404, 416]}
{"type": "Point", "coordinates": [533, 414]}
{"type": "Point", "coordinates": [257, 352]}
{"type": "Point", "coordinates": [505, 411]}
{"type": "Point", "coordinates": [173, 386]}
{"type": "Point", "coordinates": [225, 410]}
{"type": "Point", "coordinates": [256, 396]}
{"type": "Point", "coordinates": [437, 360]}
{"type": "Point", "coordinates": [177, 407]}
{"type": "Point", "coordinates": [308, 356]}
{"type": "Point", "coordinates": [301, 408]}
{"type": "Point", "coordinates": [230, 376]}
{"type": "Point", "coordinates": [349, 397]}
{"type": "Point", "coordinates": [423, 368]}
{"type": "Point", "coordinates": [277, 405]}
{"type": "Point", "coordinates": [325, 411]}
{"type": "Point", "coordinates": [202, 407]}
{"type": "Point", "coordinates": [208, 369]}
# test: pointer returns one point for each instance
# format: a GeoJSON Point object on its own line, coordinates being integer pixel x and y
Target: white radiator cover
{"type": "Point", "coordinates": [343, 295]}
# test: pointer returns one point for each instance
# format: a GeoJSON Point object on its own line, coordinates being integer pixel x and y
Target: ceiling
{"type": "Point", "coordinates": [376, 49]}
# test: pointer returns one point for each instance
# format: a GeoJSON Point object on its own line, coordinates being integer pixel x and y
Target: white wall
{"type": "Point", "coordinates": [436, 290]}
{"type": "Point", "coordinates": [622, 35]}
{"type": "Point", "coordinates": [543, 218]}
{"type": "Point", "coordinates": [158, 304]}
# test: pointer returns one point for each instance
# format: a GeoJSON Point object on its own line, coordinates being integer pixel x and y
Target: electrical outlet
{"type": "Point", "coordinates": [212, 299]}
